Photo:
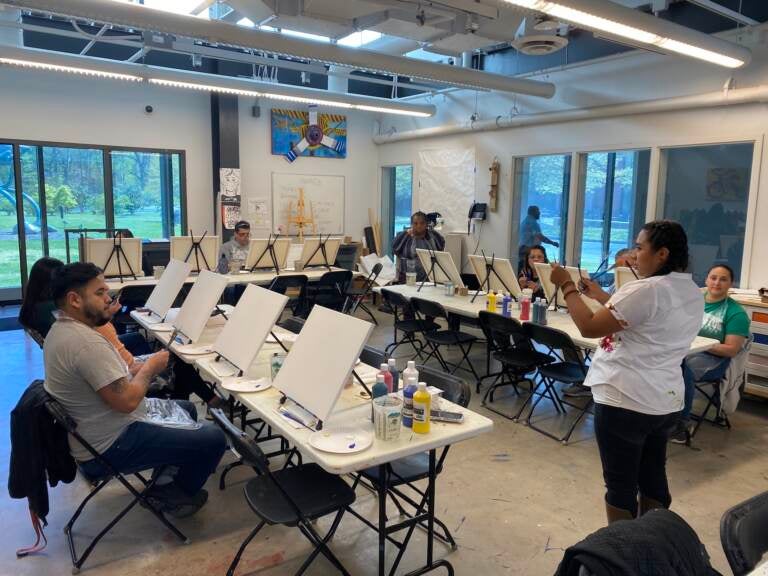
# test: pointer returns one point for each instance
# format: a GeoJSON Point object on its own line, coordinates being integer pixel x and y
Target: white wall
{"type": "Point", "coordinates": [359, 168]}
{"type": "Point", "coordinates": [50, 107]}
{"type": "Point", "coordinates": [637, 76]}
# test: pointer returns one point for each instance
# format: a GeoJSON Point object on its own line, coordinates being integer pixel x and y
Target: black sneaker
{"type": "Point", "coordinates": [171, 499]}
{"type": "Point", "coordinates": [191, 507]}
{"type": "Point", "coordinates": [681, 434]}
{"type": "Point", "coordinates": [577, 391]}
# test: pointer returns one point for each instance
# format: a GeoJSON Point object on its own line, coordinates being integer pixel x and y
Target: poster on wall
{"type": "Point", "coordinates": [299, 133]}
{"type": "Point", "coordinates": [447, 185]}
{"type": "Point", "coordinates": [229, 185]}
{"type": "Point", "coordinates": [727, 184]}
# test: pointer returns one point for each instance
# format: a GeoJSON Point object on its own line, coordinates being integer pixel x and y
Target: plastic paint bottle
{"type": "Point", "coordinates": [410, 387]}
{"type": "Point", "coordinates": [384, 371]}
{"type": "Point", "coordinates": [506, 307]}
{"type": "Point", "coordinates": [491, 301]}
{"type": "Point", "coordinates": [525, 305]}
{"type": "Point", "coordinates": [421, 406]}
{"type": "Point", "coordinates": [379, 389]}
{"type": "Point", "coordinates": [410, 372]}
{"type": "Point", "coordinates": [395, 374]}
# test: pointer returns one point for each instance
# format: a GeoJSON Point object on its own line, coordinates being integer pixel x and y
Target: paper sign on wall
{"type": "Point", "coordinates": [229, 186]}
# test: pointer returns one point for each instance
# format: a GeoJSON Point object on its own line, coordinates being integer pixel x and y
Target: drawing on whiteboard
{"type": "Point", "coordinates": [322, 198]}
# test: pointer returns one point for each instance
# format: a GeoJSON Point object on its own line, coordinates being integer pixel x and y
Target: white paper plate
{"type": "Point", "coordinates": [342, 440]}
{"type": "Point", "coordinates": [283, 338]}
{"type": "Point", "coordinates": [162, 327]}
{"type": "Point", "coordinates": [245, 385]}
{"type": "Point", "coordinates": [193, 349]}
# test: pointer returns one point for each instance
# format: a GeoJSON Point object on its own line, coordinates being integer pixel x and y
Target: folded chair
{"type": "Point", "coordinates": [512, 348]}
{"type": "Point", "coordinates": [568, 369]}
{"type": "Point", "coordinates": [406, 323]}
{"type": "Point", "coordinates": [281, 285]}
{"type": "Point", "coordinates": [355, 297]}
{"type": "Point", "coordinates": [59, 414]}
{"type": "Point", "coordinates": [405, 472]}
{"type": "Point", "coordinates": [743, 534]}
{"type": "Point", "coordinates": [290, 497]}
{"type": "Point", "coordinates": [426, 309]}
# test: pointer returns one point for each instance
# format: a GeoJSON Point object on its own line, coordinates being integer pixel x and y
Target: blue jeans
{"type": "Point", "coordinates": [135, 343]}
{"type": "Point", "coordinates": [701, 367]}
{"type": "Point", "coordinates": [142, 446]}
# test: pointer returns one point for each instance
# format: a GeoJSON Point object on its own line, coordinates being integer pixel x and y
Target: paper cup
{"type": "Point", "coordinates": [387, 417]}
{"type": "Point", "coordinates": [410, 278]}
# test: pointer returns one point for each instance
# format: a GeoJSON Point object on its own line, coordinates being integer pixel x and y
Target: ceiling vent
{"type": "Point", "coordinates": [539, 37]}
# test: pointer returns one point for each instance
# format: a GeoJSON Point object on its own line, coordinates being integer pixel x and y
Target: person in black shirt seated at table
{"type": "Point", "coordinates": [405, 244]}
{"type": "Point", "coordinates": [529, 278]}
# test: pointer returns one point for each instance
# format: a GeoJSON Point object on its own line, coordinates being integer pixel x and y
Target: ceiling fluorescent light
{"type": "Point", "coordinates": [70, 69]}
{"type": "Point", "coordinates": [391, 111]}
{"type": "Point", "coordinates": [623, 22]}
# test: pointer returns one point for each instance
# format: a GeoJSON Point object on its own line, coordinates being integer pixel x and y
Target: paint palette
{"type": "Point", "coordinates": [342, 440]}
{"type": "Point", "coordinates": [245, 385]}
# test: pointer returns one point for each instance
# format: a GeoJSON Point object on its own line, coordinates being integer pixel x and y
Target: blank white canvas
{"type": "Point", "coordinates": [249, 325]}
{"type": "Point", "coordinates": [310, 244]}
{"type": "Point", "coordinates": [450, 273]}
{"type": "Point", "coordinates": [98, 250]}
{"type": "Point", "coordinates": [622, 276]}
{"type": "Point", "coordinates": [320, 361]}
{"type": "Point", "coordinates": [197, 307]}
{"type": "Point", "coordinates": [260, 259]}
{"type": "Point", "coordinates": [502, 267]}
{"type": "Point", "coordinates": [168, 287]}
{"type": "Point", "coordinates": [180, 246]}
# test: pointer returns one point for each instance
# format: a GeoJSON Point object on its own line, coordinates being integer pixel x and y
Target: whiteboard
{"type": "Point", "coordinates": [321, 359]}
{"type": "Point", "coordinates": [249, 325]}
{"type": "Point", "coordinates": [323, 199]}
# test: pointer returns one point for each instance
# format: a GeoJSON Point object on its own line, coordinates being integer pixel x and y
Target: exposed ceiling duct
{"type": "Point", "coordinates": [539, 36]}
{"type": "Point", "coordinates": [130, 72]}
{"type": "Point", "coordinates": [142, 18]}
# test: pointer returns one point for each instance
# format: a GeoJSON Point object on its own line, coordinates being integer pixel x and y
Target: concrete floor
{"type": "Point", "coordinates": [513, 498]}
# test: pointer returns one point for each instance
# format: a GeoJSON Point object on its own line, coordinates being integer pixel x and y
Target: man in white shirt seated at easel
{"type": "Point", "coordinates": [85, 373]}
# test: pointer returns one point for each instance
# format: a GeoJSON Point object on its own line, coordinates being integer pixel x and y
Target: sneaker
{"type": "Point", "coordinates": [169, 498]}
{"type": "Point", "coordinates": [681, 434]}
{"type": "Point", "coordinates": [577, 391]}
{"type": "Point", "coordinates": [188, 509]}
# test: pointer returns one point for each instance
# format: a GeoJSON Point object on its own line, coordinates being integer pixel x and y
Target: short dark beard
{"type": "Point", "coordinates": [94, 318]}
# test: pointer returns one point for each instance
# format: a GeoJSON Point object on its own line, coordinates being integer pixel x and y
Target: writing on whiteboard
{"type": "Point", "coordinates": [323, 202]}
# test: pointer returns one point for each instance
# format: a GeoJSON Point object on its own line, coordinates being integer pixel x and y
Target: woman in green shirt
{"type": "Point", "coordinates": [724, 320]}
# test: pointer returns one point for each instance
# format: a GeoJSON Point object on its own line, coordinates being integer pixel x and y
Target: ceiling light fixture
{"type": "Point", "coordinates": [622, 22]}
{"type": "Point", "coordinates": [111, 69]}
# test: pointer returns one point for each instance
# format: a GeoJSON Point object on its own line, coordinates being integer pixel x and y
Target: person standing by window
{"type": "Point", "coordinates": [646, 330]}
{"type": "Point", "coordinates": [405, 244]}
{"type": "Point", "coordinates": [531, 234]}
{"type": "Point", "coordinates": [725, 321]}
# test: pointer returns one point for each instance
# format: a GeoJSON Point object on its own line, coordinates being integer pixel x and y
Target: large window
{"type": "Point", "coordinates": [74, 187]}
{"type": "Point", "coordinates": [543, 182]}
{"type": "Point", "coordinates": [397, 202]}
{"type": "Point", "coordinates": [614, 189]}
{"type": "Point", "coordinates": [706, 189]}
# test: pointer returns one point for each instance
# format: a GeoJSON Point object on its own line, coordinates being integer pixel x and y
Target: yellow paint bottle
{"type": "Point", "coordinates": [421, 406]}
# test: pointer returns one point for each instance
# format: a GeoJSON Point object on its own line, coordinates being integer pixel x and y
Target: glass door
{"type": "Point", "coordinates": [397, 202]}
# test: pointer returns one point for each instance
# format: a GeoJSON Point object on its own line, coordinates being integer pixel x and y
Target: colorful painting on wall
{"type": "Point", "coordinates": [308, 133]}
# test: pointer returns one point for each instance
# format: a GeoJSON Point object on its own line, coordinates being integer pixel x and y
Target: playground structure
{"type": "Point", "coordinates": [8, 191]}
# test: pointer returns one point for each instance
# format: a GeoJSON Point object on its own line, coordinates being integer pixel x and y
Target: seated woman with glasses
{"type": "Point", "coordinates": [724, 320]}
{"type": "Point", "coordinates": [529, 278]}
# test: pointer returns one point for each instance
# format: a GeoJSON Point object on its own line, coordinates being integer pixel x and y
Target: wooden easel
{"type": "Point", "coordinates": [301, 220]}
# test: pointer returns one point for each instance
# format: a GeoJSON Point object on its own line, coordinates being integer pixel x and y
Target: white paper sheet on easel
{"type": "Point", "coordinates": [249, 325]}
{"type": "Point", "coordinates": [198, 306]}
{"type": "Point", "coordinates": [321, 360]}
{"type": "Point", "coordinates": [168, 287]}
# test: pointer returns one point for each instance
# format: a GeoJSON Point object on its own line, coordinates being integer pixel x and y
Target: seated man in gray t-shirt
{"type": "Point", "coordinates": [85, 373]}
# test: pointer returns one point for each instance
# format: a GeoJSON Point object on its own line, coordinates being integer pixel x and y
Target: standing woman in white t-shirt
{"type": "Point", "coordinates": [646, 330]}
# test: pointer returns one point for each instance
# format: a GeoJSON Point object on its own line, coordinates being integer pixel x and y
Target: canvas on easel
{"type": "Point", "coordinates": [168, 287]}
{"type": "Point", "coordinates": [623, 275]}
{"type": "Point", "coordinates": [496, 272]}
{"type": "Point", "coordinates": [117, 257]}
{"type": "Point", "coordinates": [259, 255]}
{"type": "Point", "coordinates": [312, 253]}
{"type": "Point", "coordinates": [444, 269]}
{"type": "Point", "coordinates": [555, 296]}
{"type": "Point", "coordinates": [205, 257]}
{"type": "Point", "coordinates": [321, 360]}
{"type": "Point", "coordinates": [249, 325]}
{"type": "Point", "coordinates": [201, 301]}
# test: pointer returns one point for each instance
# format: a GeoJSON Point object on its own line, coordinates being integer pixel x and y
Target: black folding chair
{"type": "Point", "coordinates": [36, 336]}
{"type": "Point", "coordinates": [59, 414]}
{"type": "Point", "coordinates": [355, 297]}
{"type": "Point", "coordinates": [405, 472]}
{"type": "Point", "coordinates": [290, 497]}
{"type": "Point", "coordinates": [131, 297]}
{"type": "Point", "coordinates": [436, 338]}
{"type": "Point", "coordinates": [743, 534]}
{"type": "Point", "coordinates": [329, 291]}
{"type": "Point", "coordinates": [512, 348]}
{"type": "Point", "coordinates": [569, 369]}
{"type": "Point", "coordinates": [292, 324]}
{"type": "Point", "coordinates": [295, 282]}
{"type": "Point", "coordinates": [372, 356]}
{"type": "Point", "coordinates": [406, 322]}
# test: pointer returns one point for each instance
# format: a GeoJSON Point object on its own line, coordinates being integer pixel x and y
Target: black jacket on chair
{"type": "Point", "coordinates": [660, 543]}
{"type": "Point", "coordinates": [39, 451]}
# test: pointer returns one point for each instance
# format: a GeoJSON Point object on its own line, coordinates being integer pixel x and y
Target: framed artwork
{"type": "Point", "coordinates": [298, 133]}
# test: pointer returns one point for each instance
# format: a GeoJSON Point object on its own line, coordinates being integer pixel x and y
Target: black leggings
{"type": "Point", "coordinates": [633, 450]}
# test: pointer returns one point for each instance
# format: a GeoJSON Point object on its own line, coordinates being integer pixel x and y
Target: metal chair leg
{"type": "Point", "coordinates": [236, 559]}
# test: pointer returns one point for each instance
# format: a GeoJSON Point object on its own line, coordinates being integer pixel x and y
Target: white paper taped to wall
{"type": "Point", "coordinates": [447, 185]}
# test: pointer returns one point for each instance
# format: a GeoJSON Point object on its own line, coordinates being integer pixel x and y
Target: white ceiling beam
{"type": "Point", "coordinates": [143, 18]}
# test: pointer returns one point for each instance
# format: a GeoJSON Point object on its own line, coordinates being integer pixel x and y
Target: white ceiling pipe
{"type": "Point", "coordinates": [99, 67]}
{"type": "Point", "coordinates": [143, 18]}
{"type": "Point", "coordinates": [739, 96]}
{"type": "Point", "coordinates": [643, 29]}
